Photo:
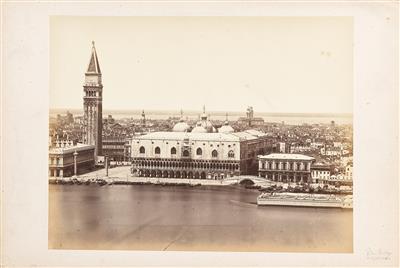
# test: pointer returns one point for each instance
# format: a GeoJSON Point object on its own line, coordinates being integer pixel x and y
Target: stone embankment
{"type": "Point", "coordinates": [139, 180]}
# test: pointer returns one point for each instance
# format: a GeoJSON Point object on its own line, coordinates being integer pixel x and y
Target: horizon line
{"type": "Point", "coordinates": [119, 111]}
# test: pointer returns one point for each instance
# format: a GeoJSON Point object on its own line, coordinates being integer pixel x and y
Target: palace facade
{"type": "Point", "coordinates": [203, 153]}
{"type": "Point", "coordinates": [286, 167]}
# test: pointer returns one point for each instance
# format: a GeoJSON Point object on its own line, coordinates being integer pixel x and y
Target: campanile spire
{"type": "Point", "coordinates": [94, 66]}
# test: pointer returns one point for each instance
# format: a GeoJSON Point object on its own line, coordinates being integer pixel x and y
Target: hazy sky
{"type": "Point", "coordinates": [275, 64]}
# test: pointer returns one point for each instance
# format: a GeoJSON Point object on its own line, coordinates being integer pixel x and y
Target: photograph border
{"type": "Point", "coordinates": [24, 197]}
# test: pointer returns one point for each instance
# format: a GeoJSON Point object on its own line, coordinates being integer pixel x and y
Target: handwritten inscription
{"type": "Point", "coordinates": [378, 254]}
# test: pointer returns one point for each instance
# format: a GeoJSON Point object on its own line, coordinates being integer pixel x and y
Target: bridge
{"type": "Point", "coordinates": [248, 179]}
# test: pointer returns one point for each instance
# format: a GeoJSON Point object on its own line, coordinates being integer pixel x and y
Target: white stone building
{"type": "Point", "coordinates": [285, 167]}
{"type": "Point", "coordinates": [202, 153]}
{"type": "Point", "coordinates": [320, 173]}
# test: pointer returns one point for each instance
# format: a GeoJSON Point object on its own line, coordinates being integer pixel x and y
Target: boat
{"type": "Point", "coordinates": [304, 200]}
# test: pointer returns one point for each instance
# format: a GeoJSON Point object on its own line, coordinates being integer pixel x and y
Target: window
{"type": "Point", "coordinates": [231, 154]}
{"type": "Point", "coordinates": [214, 153]}
{"type": "Point", "coordinates": [186, 153]}
{"type": "Point", "coordinates": [157, 150]}
{"type": "Point", "coordinates": [173, 150]}
{"type": "Point", "coordinates": [142, 150]}
{"type": "Point", "coordinates": [199, 151]}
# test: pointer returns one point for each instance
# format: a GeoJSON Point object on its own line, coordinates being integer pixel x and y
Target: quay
{"type": "Point", "coordinates": [122, 175]}
{"type": "Point", "coordinates": [138, 180]}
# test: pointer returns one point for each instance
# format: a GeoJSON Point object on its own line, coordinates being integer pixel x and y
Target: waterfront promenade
{"type": "Point", "coordinates": [122, 174]}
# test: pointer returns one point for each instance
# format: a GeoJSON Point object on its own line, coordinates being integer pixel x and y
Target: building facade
{"type": "Point", "coordinates": [349, 172]}
{"type": "Point", "coordinates": [92, 104]}
{"type": "Point", "coordinates": [197, 155]}
{"type": "Point", "coordinates": [116, 149]}
{"type": "Point", "coordinates": [200, 152]}
{"type": "Point", "coordinates": [285, 167]}
{"type": "Point", "coordinates": [321, 173]}
{"type": "Point", "coordinates": [186, 155]}
{"type": "Point", "coordinates": [62, 160]}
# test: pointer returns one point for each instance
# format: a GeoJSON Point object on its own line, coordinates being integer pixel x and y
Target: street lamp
{"type": "Point", "coordinates": [75, 154]}
{"type": "Point", "coordinates": [106, 162]}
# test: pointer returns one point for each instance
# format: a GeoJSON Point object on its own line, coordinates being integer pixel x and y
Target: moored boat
{"type": "Point", "coordinates": [304, 200]}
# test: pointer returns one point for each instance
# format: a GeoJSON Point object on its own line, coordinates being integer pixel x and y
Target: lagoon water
{"type": "Point", "coordinates": [150, 217]}
{"type": "Point", "coordinates": [291, 119]}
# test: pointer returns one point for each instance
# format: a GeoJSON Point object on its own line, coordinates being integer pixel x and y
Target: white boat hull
{"type": "Point", "coordinates": [299, 201]}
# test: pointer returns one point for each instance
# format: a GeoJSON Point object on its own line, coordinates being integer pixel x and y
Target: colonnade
{"type": "Point", "coordinates": [190, 169]}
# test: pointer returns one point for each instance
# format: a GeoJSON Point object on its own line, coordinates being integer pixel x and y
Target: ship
{"type": "Point", "coordinates": [305, 200]}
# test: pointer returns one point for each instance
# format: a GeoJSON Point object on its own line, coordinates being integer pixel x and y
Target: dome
{"type": "Point", "coordinates": [226, 129]}
{"type": "Point", "coordinates": [208, 126]}
{"type": "Point", "coordinates": [180, 127]}
{"type": "Point", "coordinates": [199, 128]}
{"type": "Point", "coordinates": [204, 125]}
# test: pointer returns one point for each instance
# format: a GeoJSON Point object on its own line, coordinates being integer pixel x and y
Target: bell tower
{"type": "Point", "coordinates": [92, 104]}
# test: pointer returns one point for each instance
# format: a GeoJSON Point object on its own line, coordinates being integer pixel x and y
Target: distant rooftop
{"type": "Point", "coordinates": [287, 156]}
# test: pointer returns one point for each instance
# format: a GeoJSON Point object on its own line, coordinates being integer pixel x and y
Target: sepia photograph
{"type": "Point", "coordinates": [201, 134]}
